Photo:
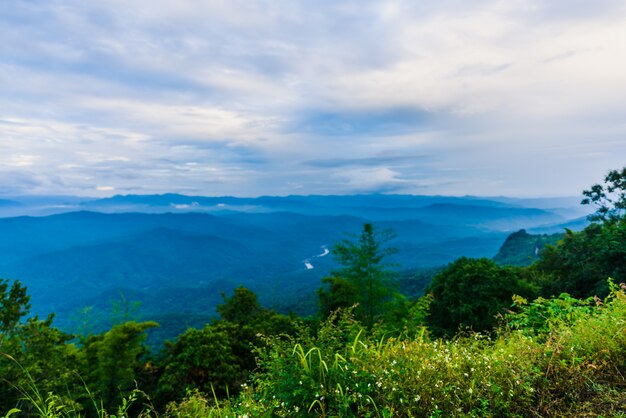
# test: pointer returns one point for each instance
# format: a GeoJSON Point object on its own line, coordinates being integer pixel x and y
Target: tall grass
{"type": "Point", "coordinates": [34, 403]}
{"type": "Point", "coordinates": [570, 363]}
{"type": "Point", "coordinates": [575, 365]}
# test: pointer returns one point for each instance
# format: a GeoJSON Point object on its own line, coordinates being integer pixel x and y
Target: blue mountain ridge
{"type": "Point", "coordinates": [176, 258]}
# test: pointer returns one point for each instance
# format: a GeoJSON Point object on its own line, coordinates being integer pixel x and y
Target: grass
{"type": "Point", "coordinates": [575, 367]}
{"type": "Point", "coordinates": [570, 363]}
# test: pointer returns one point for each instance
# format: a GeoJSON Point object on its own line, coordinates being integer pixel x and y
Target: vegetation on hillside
{"type": "Point", "coordinates": [522, 249]}
{"type": "Point", "coordinates": [484, 340]}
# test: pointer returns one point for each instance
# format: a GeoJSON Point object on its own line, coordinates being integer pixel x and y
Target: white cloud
{"type": "Point", "coordinates": [375, 178]}
{"type": "Point", "coordinates": [210, 97]}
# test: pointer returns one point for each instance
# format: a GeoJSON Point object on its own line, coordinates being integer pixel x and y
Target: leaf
{"type": "Point", "coordinates": [11, 412]}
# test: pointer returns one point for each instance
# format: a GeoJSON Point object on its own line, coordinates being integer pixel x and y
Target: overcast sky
{"type": "Point", "coordinates": [245, 98]}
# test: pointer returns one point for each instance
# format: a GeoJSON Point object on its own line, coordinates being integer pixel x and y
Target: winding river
{"type": "Point", "coordinates": [309, 265]}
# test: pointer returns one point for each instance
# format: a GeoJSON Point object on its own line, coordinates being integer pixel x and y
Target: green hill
{"type": "Point", "coordinates": [522, 249]}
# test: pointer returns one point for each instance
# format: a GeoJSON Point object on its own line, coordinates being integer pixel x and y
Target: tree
{"type": "Point", "coordinates": [31, 350]}
{"type": "Point", "coordinates": [582, 261]}
{"type": "Point", "coordinates": [14, 305]}
{"type": "Point", "coordinates": [111, 362]}
{"type": "Point", "coordinates": [36, 352]}
{"type": "Point", "coordinates": [241, 307]}
{"type": "Point", "coordinates": [470, 293]}
{"type": "Point", "coordinates": [218, 358]}
{"type": "Point", "coordinates": [364, 277]}
{"type": "Point", "coordinates": [335, 293]}
{"type": "Point", "coordinates": [610, 198]}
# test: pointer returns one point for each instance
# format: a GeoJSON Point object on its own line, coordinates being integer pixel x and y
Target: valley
{"type": "Point", "coordinates": [176, 255]}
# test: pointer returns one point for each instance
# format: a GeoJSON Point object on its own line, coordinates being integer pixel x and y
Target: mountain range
{"type": "Point", "coordinates": [177, 254]}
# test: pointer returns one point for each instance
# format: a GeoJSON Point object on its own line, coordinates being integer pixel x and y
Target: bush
{"type": "Point", "coordinates": [572, 364]}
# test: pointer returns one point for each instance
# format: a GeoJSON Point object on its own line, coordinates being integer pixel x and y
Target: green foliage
{"type": "Point", "coordinates": [575, 369]}
{"type": "Point", "coordinates": [335, 293]}
{"type": "Point", "coordinates": [194, 405]}
{"type": "Point", "coordinates": [33, 350]}
{"type": "Point", "coordinates": [364, 278]}
{"type": "Point", "coordinates": [242, 307]}
{"type": "Point", "coordinates": [610, 198]}
{"type": "Point", "coordinates": [124, 310]}
{"type": "Point", "coordinates": [203, 358]}
{"type": "Point", "coordinates": [343, 372]}
{"type": "Point", "coordinates": [541, 316]}
{"type": "Point", "coordinates": [14, 304]}
{"type": "Point", "coordinates": [112, 362]}
{"type": "Point", "coordinates": [219, 357]}
{"type": "Point", "coordinates": [522, 249]}
{"type": "Point", "coordinates": [418, 311]}
{"type": "Point", "coordinates": [471, 293]}
{"type": "Point", "coordinates": [582, 261]}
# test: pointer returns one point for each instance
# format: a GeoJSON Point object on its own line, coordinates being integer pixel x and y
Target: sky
{"type": "Point", "coordinates": [247, 98]}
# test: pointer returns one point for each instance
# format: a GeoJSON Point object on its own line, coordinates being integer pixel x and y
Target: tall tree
{"type": "Point", "coordinates": [14, 304]}
{"type": "Point", "coordinates": [365, 276]}
{"type": "Point", "coordinates": [581, 263]}
{"type": "Point", "coordinates": [610, 198]}
{"type": "Point", "coordinates": [111, 362]}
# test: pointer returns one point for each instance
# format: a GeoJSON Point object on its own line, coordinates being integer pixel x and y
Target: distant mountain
{"type": "Point", "coordinates": [577, 224]}
{"type": "Point", "coordinates": [372, 206]}
{"type": "Point", "coordinates": [278, 203]}
{"type": "Point", "coordinates": [7, 202]}
{"type": "Point", "coordinates": [176, 254]}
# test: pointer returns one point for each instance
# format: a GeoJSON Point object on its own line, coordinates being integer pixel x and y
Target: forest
{"type": "Point", "coordinates": [485, 338]}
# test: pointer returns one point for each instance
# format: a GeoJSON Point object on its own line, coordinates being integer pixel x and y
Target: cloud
{"type": "Point", "coordinates": [249, 98]}
{"type": "Point", "coordinates": [364, 123]}
{"type": "Point", "coordinates": [368, 161]}
{"type": "Point", "coordinates": [105, 188]}
{"type": "Point", "coordinates": [372, 180]}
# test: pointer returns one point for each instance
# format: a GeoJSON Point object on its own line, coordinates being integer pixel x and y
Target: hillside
{"type": "Point", "coordinates": [522, 248]}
